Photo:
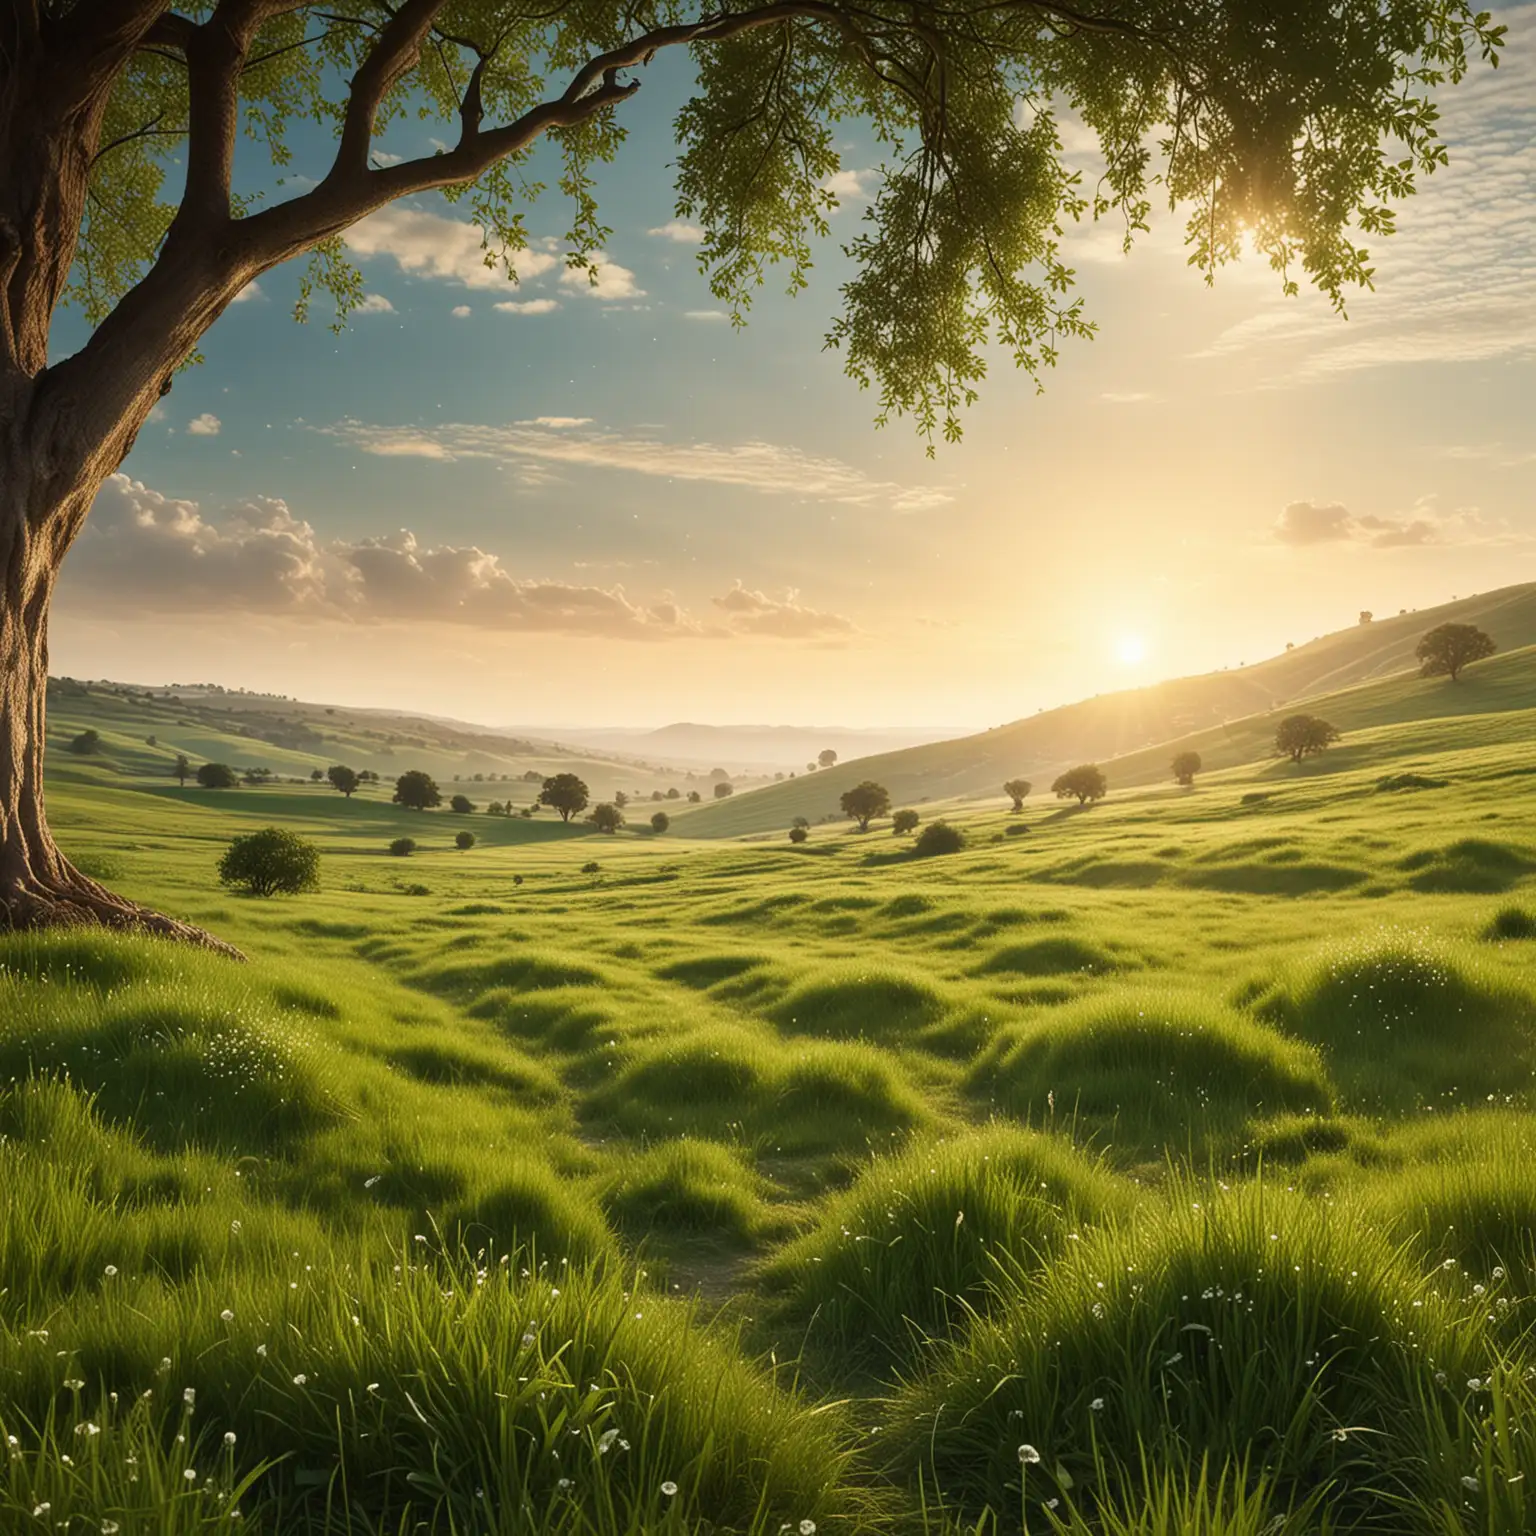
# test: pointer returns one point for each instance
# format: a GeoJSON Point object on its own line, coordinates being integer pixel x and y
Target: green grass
{"type": "Point", "coordinates": [853, 1172]}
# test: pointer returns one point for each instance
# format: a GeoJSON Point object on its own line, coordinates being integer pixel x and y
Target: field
{"type": "Point", "coordinates": [1165, 1166]}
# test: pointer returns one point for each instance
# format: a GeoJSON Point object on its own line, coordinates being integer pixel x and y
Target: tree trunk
{"type": "Point", "coordinates": [39, 887]}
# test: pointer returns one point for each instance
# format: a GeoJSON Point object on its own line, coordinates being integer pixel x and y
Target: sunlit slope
{"type": "Point", "coordinates": [229, 730]}
{"type": "Point", "coordinates": [1371, 668]}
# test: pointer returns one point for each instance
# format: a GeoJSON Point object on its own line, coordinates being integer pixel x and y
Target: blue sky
{"type": "Point", "coordinates": [605, 506]}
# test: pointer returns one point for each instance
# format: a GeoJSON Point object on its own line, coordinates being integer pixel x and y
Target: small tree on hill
{"type": "Point", "coordinates": [565, 793]}
{"type": "Point", "coordinates": [216, 776]}
{"type": "Point", "coordinates": [181, 771]}
{"type": "Point", "coordinates": [1185, 766]}
{"type": "Point", "coordinates": [344, 779]}
{"type": "Point", "coordinates": [674, 793]}
{"type": "Point", "coordinates": [86, 744]}
{"type": "Point", "coordinates": [801, 821]}
{"type": "Point", "coordinates": [694, 797]}
{"type": "Point", "coordinates": [270, 862]}
{"type": "Point", "coordinates": [1016, 789]}
{"type": "Point", "coordinates": [1447, 648]}
{"type": "Point", "coordinates": [316, 775]}
{"type": "Point", "coordinates": [1300, 736]}
{"type": "Point", "coordinates": [724, 791]}
{"type": "Point", "coordinates": [827, 757]}
{"type": "Point", "coordinates": [798, 834]}
{"type": "Point", "coordinates": [864, 802]}
{"type": "Point", "coordinates": [620, 799]}
{"type": "Point", "coordinates": [660, 821]}
{"type": "Point", "coordinates": [606, 818]}
{"type": "Point", "coordinates": [463, 840]}
{"type": "Point", "coordinates": [1084, 783]}
{"type": "Point", "coordinates": [403, 847]}
{"type": "Point", "coordinates": [461, 805]}
{"type": "Point", "coordinates": [417, 790]}
{"type": "Point", "coordinates": [904, 821]}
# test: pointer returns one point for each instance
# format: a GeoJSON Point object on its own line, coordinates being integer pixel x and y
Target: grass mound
{"type": "Point", "coordinates": [924, 1235]}
{"type": "Point", "coordinates": [1055, 956]}
{"type": "Point", "coordinates": [1405, 1020]}
{"type": "Point", "coordinates": [726, 1083]}
{"type": "Point", "coordinates": [1163, 1069]}
{"type": "Point", "coordinates": [691, 1186]}
{"type": "Point", "coordinates": [1242, 1323]}
{"type": "Point", "coordinates": [877, 1003]}
{"type": "Point", "coordinates": [169, 1042]}
{"type": "Point", "coordinates": [1510, 923]}
{"type": "Point", "coordinates": [1471, 865]}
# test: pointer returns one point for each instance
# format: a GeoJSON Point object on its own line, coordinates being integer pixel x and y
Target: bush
{"type": "Point", "coordinates": [939, 837]}
{"type": "Point", "coordinates": [1185, 766]}
{"type": "Point", "coordinates": [86, 743]}
{"type": "Point", "coordinates": [660, 822]}
{"type": "Point", "coordinates": [723, 791]}
{"type": "Point", "coordinates": [904, 821]}
{"type": "Point", "coordinates": [591, 867]}
{"type": "Point", "coordinates": [798, 834]}
{"type": "Point", "coordinates": [606, 818]}
{"type": "Point", "coordinates": [216, 776]}
{"type": "Point", "coordinates": [461, 805]}
{"type": "Point", "coordinates": [463, 840]}
{"type": "Point", "coordinates": [1396, 781]}
{"type": "Point", "coordinates": [1510, 923]}
{"type": "Point", "coordinates": [403, 846]}
{"type": "Point", "coordinates": [270, 862]}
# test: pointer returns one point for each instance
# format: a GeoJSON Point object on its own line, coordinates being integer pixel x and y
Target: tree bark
{"type": "Point", "coordinates": [39, 887]}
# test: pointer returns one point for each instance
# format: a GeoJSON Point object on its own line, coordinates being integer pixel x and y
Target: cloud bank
{"type": "Point", "coordinates": [1303, 524]}
{"type": "Point", "coordinates": [144, 553]}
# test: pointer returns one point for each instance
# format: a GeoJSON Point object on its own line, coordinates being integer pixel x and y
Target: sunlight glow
{"type": "Point", "coordinates": [1130, 650]}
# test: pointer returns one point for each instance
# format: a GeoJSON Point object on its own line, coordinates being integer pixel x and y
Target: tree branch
{"type": "Point", "coordinates": [395, 53]}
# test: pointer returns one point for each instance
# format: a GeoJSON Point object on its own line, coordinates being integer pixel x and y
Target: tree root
{"type": "Point", "coordinates": [33, 906]}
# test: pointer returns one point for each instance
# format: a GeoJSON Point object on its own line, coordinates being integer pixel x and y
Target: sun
{"type": "Point", "coordinates": [1130, 650]}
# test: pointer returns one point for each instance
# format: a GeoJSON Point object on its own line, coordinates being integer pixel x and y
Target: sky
{"type": "Point", "coordinates": [602, 505]}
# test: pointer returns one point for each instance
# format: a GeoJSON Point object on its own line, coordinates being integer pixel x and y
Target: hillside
{"type": "Point", "coordinates": [1227, 716]}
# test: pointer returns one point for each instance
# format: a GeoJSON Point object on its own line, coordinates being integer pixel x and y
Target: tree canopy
{"type": "Point", "coordinates": [1299, 736]}
{"type": "Point", "coordinates": [864, 802]}
{"type": "Point", "coordinates": [1447, 648]}
{"type": "Point", "coordinates": [270, 862]}
{"type": "Point", "coordinates": [565, 793]}
{"type": "Point", "coordinates": [1084, 783]}
{"type": "Point", "coordinates": [606, 818]}
{"type": "Point", "coordinates": [417, 790]}
{"type": "Point", "coordinates": [344, 779]}
{"type": "Point", "coordinates": [1185, 766]}
{"type": "Point", "coordinates": [1016, 790]}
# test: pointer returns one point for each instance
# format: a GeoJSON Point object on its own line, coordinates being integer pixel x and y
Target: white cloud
{"type": "Point", "coordinates": [206, 425]}
{"type": "Point", "coordinates": [705, 314]}
{"type": "Point", "coordinates": [755, 613]}
{"type": "Point", "coordinates": [1127, 396]}
{"type": "Point", "coordinates": [142, 552]}
{"type": "Point", "coordinates": [758, 466]}
{"type": "Point", "coordinates": [428, 245]}
{"type": "Point", "coordinates": [848, 186]}
{"type": "Point", "coordinates": [1305, 523]}
{"type": "Point", "coordinates": [383, 157]}
{"type": "Point", "coordinates": [678, 232]}
{"type": "Point", "coordinates": [375, 304]}
{"type": "Point", "coordinates": [461, 311]}
{"type": "Point", "coordinates": [526, 306]}
{"type": "Point", "coordinates": [558, 423]}
{"type": "Point", "coordinates": [252, 290]}
{"type": "Point", "coordinates": [606, 280]}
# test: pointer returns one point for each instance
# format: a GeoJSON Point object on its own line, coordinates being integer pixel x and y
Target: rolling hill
{"type": "Point", "coordinates": [1367, 676]}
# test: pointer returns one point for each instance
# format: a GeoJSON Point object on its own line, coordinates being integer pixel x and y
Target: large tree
{"type": "Point", "coordinates": [1293, 125]}
{"type": "Point", "coordinates": [1447, 648]}
{"type": "Point", "coordinates": [864, 802]}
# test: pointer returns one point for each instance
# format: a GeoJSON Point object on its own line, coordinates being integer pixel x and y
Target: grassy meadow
{"type": "Point", "coordinates": [1167, 1166]}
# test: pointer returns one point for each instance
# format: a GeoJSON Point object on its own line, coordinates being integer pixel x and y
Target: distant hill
{"type": "Point", "coordinates": [1138, 727]}
{"type": "Point", "coordinates": [749, 748]}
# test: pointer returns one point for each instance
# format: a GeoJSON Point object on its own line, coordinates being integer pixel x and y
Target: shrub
{"type": "Point", "coordinates": [939, 837]}
{"type": "Point", "coordinates": [904, 821]}
{"type": "Point", "coordinates": [216, 776]}
{"type": "Point", "coordinates": [86, 743]}
{"type": "Point", "coordinates": [723, 791]}
{"type": "Point", "coordinates": [417, 791]}
{"type": "Point", "coordinates": [1510, 923]}
{"type": "Point", "coordinates": [1185, 766]}
{"type": "Point", "coordinates": [403, 846]}
{"type": "Point", "coordinates": [270, 862]}
{"type": "Point", "coordinates": [1397, 781]}
{"type": "Point", "coordinates": [461, 805]}
{"type": "Point", "coordinates": [591, 867]}
{"type": "Point", "coordinates": [606, 818]}
{"type": "Point", "coordinates": [660, 821]}
{"type": "Point", "coordinates": [463, 840]}
{"type": "Point", "coordinates": [798, 834]}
